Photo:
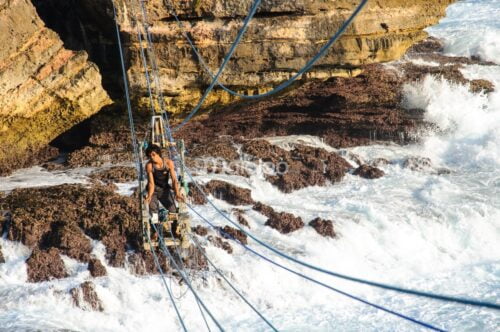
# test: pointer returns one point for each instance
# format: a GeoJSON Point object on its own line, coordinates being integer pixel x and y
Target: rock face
{"type": "Point", "coordinates": [230, 193]}
{"type": "Point", "coordinates": [44, 265]}
{"type": "Point", "coordinates": [86, 298]}
{"type": "Point", "coordinates": [219, 243]}
{"type": "Point", "coordinates": [96, 268]}
{"type": "Point", "coordinates": [2, 259]}
{"type": "Point", "coordinates": [323, 227]}
{"type": "Point", "coordinates": [61, 219]}
{"type": "Point", "coordinates": [301, 167]}
{"type": "Point", "coordinates": [229, 232]}
{"type": "Point", "coordinates": [45, 89]}
{"type": "Point", "coordinates": [283, 222]}
{"type": "Point", "coordinates": [368, 172]}
{"type": "Point", "coordinates": [281, 38]}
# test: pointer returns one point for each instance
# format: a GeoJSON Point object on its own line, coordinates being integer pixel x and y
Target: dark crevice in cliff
{"type": "Point", "coordinates": [87, 25]}
{"type": "Point", "coordinates": [75, 138]}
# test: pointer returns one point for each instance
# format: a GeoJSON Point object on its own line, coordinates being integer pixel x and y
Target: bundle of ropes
{"type": "Point", "coordinates": [152, 79]}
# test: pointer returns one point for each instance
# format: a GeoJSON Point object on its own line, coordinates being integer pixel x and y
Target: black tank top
{"type": "Point", "coordinates": [161, 176]}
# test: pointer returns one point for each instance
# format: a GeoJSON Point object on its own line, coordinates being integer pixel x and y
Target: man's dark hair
{"type": "Point", "coordinates": [153, 148]}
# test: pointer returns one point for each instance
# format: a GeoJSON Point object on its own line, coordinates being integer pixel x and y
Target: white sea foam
{"type": "Point", "coordinates": [471, 28]}
{"type": "Point", "coordinates": [412, 228]}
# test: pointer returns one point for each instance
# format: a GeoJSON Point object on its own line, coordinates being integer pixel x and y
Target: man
{"type": "Point", "coordinates": [158, 170]}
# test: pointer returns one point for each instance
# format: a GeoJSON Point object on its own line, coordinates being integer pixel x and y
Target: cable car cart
{"type": "Point", "coordinates": [173, 229]}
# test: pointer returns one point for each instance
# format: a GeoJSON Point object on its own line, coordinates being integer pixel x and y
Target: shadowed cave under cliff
{"type": "Point", "coordinates": [85, 25]}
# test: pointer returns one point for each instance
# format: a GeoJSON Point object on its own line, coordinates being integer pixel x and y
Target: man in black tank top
{"type": "Point", "coordinates": [159, 170]}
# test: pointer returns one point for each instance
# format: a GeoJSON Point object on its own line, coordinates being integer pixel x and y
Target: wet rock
{"type": "Point", "coordinates": [44, 265]}
{"type": "Point", "coordinates": [5, 216]}
{"type": "Point", "coordinates": [65, 216]}
{"type": "Point", "coordinates": [229, 232]}
{"type": "Point", "coordinates": [70, 240]}
{"type": "Point", "coordinates": [368, 172]}
{"type": "Point", "coordinates": [352, 156]}
{"type": "Point", "coordinates": [481, 85]}
{"type": "Point", "coordinates": [418, 163]}
{"type": "Point", "coordinates": [142, 263]}
{"type": "Point", "coordinates": [221, 147]}
{"type": "Point", "coordinates": [96, 268]}
{"type": "Point", "coordinates": [230, 193]}
{"type": "Point", "coordinates": [323, 227]}
{"type": "Point", "coordinates": [344, 112]}
{"type": "Point", "coordinates": [196, 196]}
{"type": "Point", "coordinates": [59, 216]}
{"type": "Point", "coordinates": [299, 168]}
{"type": "Point", "coordinates": [2, 259]}
{"type": "Point", "coordinates": [195, 259]}
{"type": "Point", "coordinates": [379, 162]}
{"type": "Point", "coordinates": [90, 156]}
{"type": "Point", "coordinates": [200, 230]}
{"type": "Point", "coordinates": [219, 243]}
{"type": "Point", "coordinates": [449, 68]}
{"type": "Point", "coordinates": [30, 157]}
{"type": "Point", "coordinates": [115, 174]}
{"type": "Point", "coordinates": [241, 217]}
{"type": "Point", "coordinates": [429, 45]}
{"type": "Point", "coordinates": [283, 222]}
{"type": "Point", "coordinates": [86, 298]}
{"type": "Point", "coordinates": [115, 248]}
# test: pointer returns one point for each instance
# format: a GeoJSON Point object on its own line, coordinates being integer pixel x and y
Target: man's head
{"type": "Point", "coordinates": [153, 152]}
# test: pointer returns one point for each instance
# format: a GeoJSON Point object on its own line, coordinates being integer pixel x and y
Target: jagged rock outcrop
{"type": "Point", "coordinates": [96, 268]}
{"type": "Point", "coordinates": [2, 259]}
{"type": "Point", "coordinates": [231, 233]}
{"type": "Point", "coordinates": [281, 38]}
{"type": "Point", "coordinates": [219, 243]}
{"type": "Point", "coordinates": [230, 193]}
{"type": "Point", "coordinates": [61, 219]}
{"type": "Point", "coordinates": [323, 227]}
{"type": "Point", "coordinates": [85, 297]}
{"type": "Point", "coordinates": [283, 222]}
{"type": "Point", "coordinates": [45, 89]}
{"type": "Point", "coordinates": [45, 265]}
{"type": "Point", "coordinates": [368, 172]}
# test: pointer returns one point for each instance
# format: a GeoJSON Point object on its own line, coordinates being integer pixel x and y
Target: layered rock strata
{"type": "Point", "coordinates": [280, 39]}
{"type": "Point", "coordinates": [45, 89]}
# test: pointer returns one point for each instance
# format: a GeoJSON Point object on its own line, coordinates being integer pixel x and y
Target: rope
{"type": "Point", "coordinates": [219, 272]}
{"type": "Point", "coordinates": [224, 63]}
{"type": "Point", "coordinates": [166, 252]}
{"type": "Point", "coordinates": [127, 97]}
{"type": "Point", "coordinates": [154, 66]}
{"type": "Point", "coordinates": [139, 166]}
{"type": "Point", "coordinates": [435, 296]}
{"type": "Point", "coordinates": [285, 84]}
{"type": "Point", "coordinates": [413, 320]}
{"type": "Point", "coordinates": [158, 266]}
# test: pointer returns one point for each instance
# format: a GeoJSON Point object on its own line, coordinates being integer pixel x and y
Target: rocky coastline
{"type": "Point", "coordinates": [346, 102]}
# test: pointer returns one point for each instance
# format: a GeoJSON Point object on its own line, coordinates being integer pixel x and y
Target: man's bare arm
{"type": "Point", "coordinates": [173, 175]}
{"type": "Point", "coordinates": [151, 182]}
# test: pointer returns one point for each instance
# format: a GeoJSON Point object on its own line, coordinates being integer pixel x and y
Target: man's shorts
{"type": "Point", "coordinates": [166, 198]}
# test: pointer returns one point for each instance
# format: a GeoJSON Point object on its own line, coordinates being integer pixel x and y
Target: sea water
{"type": "Point", "coordinates": [428, 229]}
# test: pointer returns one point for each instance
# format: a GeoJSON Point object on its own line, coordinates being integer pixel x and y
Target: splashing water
{"type": "Point", "coordinates": [415, 229]}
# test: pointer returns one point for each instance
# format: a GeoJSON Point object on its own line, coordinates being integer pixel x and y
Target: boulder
{"type": "Point", "coordinates": [85, 297]}
{"type": "Point", "coordinates": [283, 222]}
{"type": "Point", "coordinates": [45, 265]}
{"type": "Point", "coordinates": [368, 172]}
{"type": "Point", "coordinates": [323, 227]}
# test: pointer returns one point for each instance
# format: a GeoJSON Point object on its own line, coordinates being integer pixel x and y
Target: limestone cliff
{"type": "Point", "coordinates": [45, 89]}
{"type": "Point", "coordinates": [281, 38]}
{"type": "Point", "coordinates": [47, 83]}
